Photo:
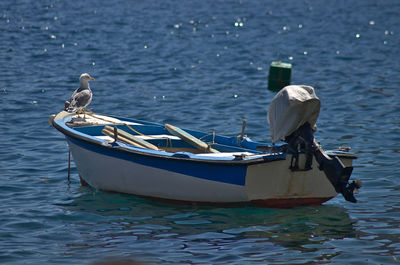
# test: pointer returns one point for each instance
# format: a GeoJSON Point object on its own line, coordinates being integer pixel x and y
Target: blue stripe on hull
{"type": "Point", "coordinates": [232, 174]}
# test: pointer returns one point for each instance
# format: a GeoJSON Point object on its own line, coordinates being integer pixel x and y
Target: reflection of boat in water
{"type": "Point", "coordinates": [165, 162]}
{"type": "Point", "coordinates": [300, 228]}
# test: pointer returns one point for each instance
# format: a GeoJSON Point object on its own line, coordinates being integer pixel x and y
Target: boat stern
{"type": "Point", "coordinates": [275, 185]}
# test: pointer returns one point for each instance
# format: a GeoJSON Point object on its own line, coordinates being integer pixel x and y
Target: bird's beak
{"type": "Point", "coordinates": [92, 78]}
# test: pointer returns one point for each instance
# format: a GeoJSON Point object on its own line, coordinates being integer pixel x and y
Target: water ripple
{"type": "Point", "coordinates": [199, 65]}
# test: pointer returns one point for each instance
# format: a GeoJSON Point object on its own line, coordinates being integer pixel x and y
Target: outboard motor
{"type": "Point", "coordinates": [292, 116]}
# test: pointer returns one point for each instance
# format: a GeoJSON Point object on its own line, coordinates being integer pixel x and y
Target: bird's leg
{"type": "Point", "coordinates": [79, 112]}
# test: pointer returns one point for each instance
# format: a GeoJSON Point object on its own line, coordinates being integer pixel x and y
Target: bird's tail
{"type": "Point", "coordinates": [68, 107]}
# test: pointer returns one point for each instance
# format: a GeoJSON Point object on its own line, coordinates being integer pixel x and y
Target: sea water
{"type": "Point", "coordinates": [200, 65]}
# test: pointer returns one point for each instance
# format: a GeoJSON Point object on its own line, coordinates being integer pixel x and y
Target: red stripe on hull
{"type": "Point", "coordinates": [83, 182]}
{"type": "Point", "coordinates": [290, 203]}
{"type": "Point", "coordinates": [267, 203]}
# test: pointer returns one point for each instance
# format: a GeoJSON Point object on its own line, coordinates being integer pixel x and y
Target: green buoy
{"type": "Point", "coordinates": [279, 75]}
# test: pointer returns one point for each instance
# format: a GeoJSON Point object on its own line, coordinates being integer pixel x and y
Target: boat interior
{"type": "Point", "coordinates": [157, 137]}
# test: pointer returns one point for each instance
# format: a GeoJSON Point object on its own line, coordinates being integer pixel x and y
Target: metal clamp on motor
{"type": "Point", "coordinates": [301, 140]}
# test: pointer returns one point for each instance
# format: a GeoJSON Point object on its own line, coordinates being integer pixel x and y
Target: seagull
{"type": "Point", "coordinates": [82, 96]}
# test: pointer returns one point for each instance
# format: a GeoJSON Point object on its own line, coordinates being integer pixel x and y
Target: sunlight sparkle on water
{"type": "Point", "coordinates": [221, 80]}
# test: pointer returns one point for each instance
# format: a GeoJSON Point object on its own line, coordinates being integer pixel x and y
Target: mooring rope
{"type": "Point", "coordinates": [69, 165]}
{"type": "Point", "coordinates": [213, 137]}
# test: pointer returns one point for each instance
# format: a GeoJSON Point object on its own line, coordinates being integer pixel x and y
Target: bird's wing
{"type": "Point", "coordinates": [80, 99]}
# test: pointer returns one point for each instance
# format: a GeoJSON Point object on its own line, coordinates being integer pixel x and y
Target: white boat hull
{"type": "Point", "coordinates": [119, 175]}
{"type": "Point", "coordinates": [270, 184]}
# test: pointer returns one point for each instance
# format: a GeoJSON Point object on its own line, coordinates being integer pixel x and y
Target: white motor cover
{"type": "Point", "coordinates": [291, 108]}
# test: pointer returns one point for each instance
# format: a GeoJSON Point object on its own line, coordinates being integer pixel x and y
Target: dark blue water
{"type": "Point", "coordinates": [202, 65]}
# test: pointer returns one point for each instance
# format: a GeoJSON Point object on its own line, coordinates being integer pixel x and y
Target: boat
{"type": "Point", "coordinates": [178, 165]}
